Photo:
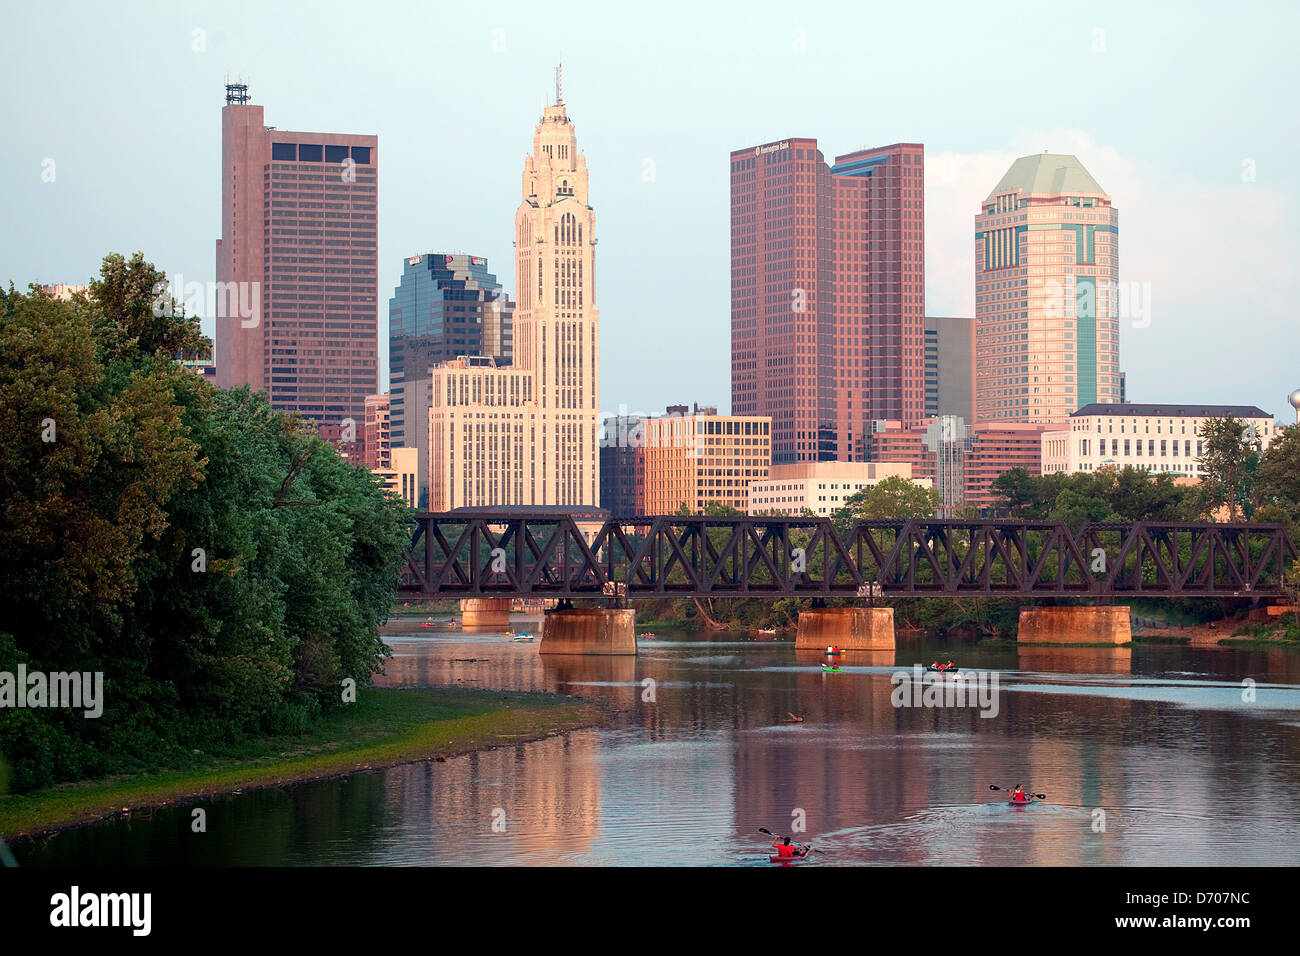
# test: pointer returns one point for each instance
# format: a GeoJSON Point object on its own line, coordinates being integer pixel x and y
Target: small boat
{"type": "Point", "coordinates": [831, 669]}
{"type": "Point", "coordinates": [1022, 803]}
{"type": "Point", "coordinates": [790, 859]}
{"type": "Point", "coordinates": [524, 637]}
{"type": "Point", "coordinates": [767, 630]}
{"type": "Point", "coordinates": [646, 634]}
{"type": "Point", "coordinates": [943, 670]}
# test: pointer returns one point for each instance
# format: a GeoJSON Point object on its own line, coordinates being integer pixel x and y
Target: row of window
{"type": "Point", "coordinates": [316, 153]}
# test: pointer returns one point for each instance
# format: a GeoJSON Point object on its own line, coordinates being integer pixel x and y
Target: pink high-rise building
{"type": "Point", "coordinates": [297, 265]}
{"type": "Point", "coordinates": [827, 293]}
{"type": "Point", "coordinates": [1046, 293]}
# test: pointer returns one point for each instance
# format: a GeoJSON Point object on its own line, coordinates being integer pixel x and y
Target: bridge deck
{"type": "Point", "coordinates": [554, 556]}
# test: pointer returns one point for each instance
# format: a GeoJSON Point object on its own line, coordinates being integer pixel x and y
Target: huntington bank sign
{"type": "Point", "coordinates": [774, 148]}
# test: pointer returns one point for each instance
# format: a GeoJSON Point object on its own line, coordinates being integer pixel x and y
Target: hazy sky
{"type": "Point", "coordinates": [1184, 112]}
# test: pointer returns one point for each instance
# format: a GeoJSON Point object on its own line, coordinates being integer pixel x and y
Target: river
{"type": "Point", "coordinates": [1158, 755]}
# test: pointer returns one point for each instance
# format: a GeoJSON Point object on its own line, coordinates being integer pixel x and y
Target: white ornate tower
{"type": "Point", "coordinates": [527, 434]}
{"type": "Point", "coordinates": [557, 324]}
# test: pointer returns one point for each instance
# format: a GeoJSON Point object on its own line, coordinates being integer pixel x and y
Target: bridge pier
{"type": "Point", "coordinates": [850, 628]}
{"type": "Point", "coordinates": [588, 630]}
{"type": "Point", "coordinates": [486, 613]}
{"type": "Point", "coordinates": [1075, 625]}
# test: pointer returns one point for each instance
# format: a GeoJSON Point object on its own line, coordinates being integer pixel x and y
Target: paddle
{"type": "Point", "coordinates": [806, 847]}
{"type": "Point", "coordinates": [1040, 796]}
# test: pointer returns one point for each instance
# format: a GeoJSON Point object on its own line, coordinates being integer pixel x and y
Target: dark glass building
{"type": "Point", "coordinates": [444, 307]}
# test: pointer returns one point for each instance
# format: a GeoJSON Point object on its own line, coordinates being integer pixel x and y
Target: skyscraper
{"type": "Point", "coordinates": [950, 367]}
{"type": "Point", "coordinates": [528, 433]}
{"type": "Point", "coordinates": [827, 293]}
{"type": "Point", "coordinates": [445, 306]}
{"type": "Point", "coordinates": [1046, 289]}
{"type": "Point", "coordinates": [297, 266]}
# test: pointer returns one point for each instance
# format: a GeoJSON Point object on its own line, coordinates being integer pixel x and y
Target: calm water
{"type": "Point", "coordinates": [1158, 738]}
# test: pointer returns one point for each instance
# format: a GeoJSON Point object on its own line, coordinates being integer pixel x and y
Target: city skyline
{"type": "Point", "coordinates": [1179, 180]}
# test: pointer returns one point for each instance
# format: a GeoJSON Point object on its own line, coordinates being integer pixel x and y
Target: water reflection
{"type": "Point", "coordinates": [703, 751]}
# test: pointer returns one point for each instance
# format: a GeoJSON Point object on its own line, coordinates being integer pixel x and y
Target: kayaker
{"type": "Point", "coordinates": [950, 665]}
{"type": "Point", "coordinates": [784, 849]}
{"type": "Point", "coordinates": [1018, 795]}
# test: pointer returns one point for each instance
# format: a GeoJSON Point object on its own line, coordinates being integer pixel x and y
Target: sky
{"type": "Point", "coordinates": [1183, 112]}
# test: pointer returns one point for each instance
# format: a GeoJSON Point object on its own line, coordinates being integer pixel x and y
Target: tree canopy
{"type": "Point", "coordinates": [222, 565]}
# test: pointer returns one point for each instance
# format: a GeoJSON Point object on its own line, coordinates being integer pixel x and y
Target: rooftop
{"type": "Point", "coordinates": [1048, 173]}
{"type": "Point", "coordinates": [1170, 410]}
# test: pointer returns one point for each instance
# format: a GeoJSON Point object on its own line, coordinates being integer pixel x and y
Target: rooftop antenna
{"type": "Point", "coordinates": [559, 83]}
{"type": "Point", "coordinates": [236, 92]}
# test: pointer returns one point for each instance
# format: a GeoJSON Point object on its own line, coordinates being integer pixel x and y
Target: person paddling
{"type": "Point", "coordinates": [785, 849]}
{"type": "Point", "coordinates": [1018, 795]}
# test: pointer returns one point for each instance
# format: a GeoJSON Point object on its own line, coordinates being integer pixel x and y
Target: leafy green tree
{"type": "Point", "coordinates": [1028, 496]}
{"type": "Point", "coordinates": [134, 296]}
{"type": "Point", "coordinates": [1230, 456]}
{"type": "Point", "coordinates": [893, 498]}
{"type": "Point", "coordinates": [222, 565]}
{"type": "Point", "coordinates": [1277, 485]}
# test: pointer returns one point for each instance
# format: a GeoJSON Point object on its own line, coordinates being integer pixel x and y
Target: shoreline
{"type": "Point", "coordinates": [467, 720]}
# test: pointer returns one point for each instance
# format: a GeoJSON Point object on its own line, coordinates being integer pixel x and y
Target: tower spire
{"type": "Point", "coordinates": [559, 84]}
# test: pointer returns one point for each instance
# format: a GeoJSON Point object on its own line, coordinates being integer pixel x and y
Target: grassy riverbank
{"type": "Point", "coordinates": [384, 728]}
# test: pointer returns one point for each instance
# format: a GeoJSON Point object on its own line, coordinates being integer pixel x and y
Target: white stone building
{"type": "Point", "coordinates": [821, 487]}
{"type": "Point", "coordinates": [1157, 438]}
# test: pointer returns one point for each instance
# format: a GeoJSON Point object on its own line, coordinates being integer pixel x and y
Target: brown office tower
{"type": "Point", "coordinates": [827, 293]}
{"type": "Point", "coordinates": [297, 266]}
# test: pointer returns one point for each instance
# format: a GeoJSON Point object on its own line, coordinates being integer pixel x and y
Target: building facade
{"type": "Point", "coordinates": [696, 457]}
{"type": "Point", "coordinates": [622, 465]}
{"type": "Point", "coordinates": [827, 293]}
{"type": "Point", "coordinates": [821, 487]}
{"type": "Point", "coordinates": [445, 306]}
{"type": "Point", "coordinates": [1159, 439]}
{"type": "Point", "coordinates": [950, 367]}
{"type": "Point", "coordinates": [400, 475]}
{"type": "Point", "coordinates": [377, 434]}
{"type": "Point", "coordinates": [297, 265]}
{"type": "Point", "coordinates": [63, 291]}
{"type": "Point", "coordinates": [1046, 293]}
{"type": "Point", "coordinates": [528, 434]}
{"type": "Point", "coordinates": [962, 460]}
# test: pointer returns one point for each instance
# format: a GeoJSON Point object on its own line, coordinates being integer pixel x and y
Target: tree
{"type": "Point", "coordinates": [1277, 485]}
{"type": "Point", "coordinates": [893, 498]}
{"type": "Point", "coordinates": [1230, 457]}
{"type": "Point", "coordinates": [219, 563]}
{"type": "Point", "coordinates": [134, 296]}
{"type": "Point", "coordinates": [1028, 496]}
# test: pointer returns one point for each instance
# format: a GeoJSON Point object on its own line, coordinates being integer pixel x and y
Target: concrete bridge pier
{"type": "Point", "coordinates": [588, 630]}
{"type": "Point", "coordinates": [1075, 625]}
{"type": "Point", "coordinates": [850, 628]}
{"type": "Point", "coordinates": [485, 613]}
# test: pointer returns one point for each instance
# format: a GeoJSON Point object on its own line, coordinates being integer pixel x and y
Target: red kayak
{"type": "Point", "coordinates": [1021, 803]}
{"type": "Point", "coordinates": [787, 859]}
